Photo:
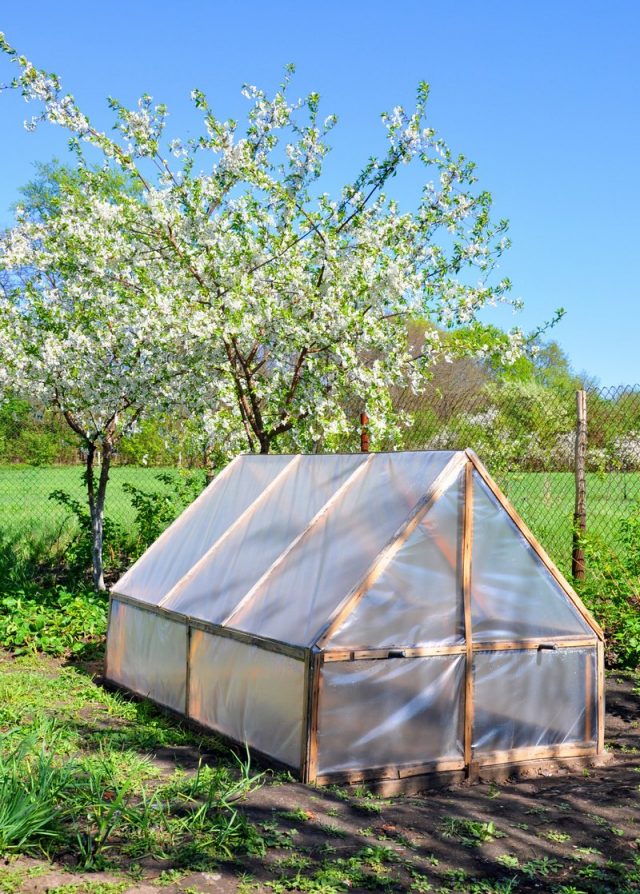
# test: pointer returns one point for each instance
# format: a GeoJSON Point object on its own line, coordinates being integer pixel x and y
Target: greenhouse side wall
{"type": "Point", "coordinates": [147, 653]}
{"type": "Point", "coordinates": [248, 694]}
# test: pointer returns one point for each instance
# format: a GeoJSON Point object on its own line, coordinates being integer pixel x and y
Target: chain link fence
{"type": "Point", "coordinates": [524, 432]}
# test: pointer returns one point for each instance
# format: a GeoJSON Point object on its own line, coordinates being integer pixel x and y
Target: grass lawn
{"type": "Point", "coordinates": [27, 511]}
{"type": "Point", "coordinates": [545, 501]}
{"type": "Point", "coordinates": [151, 806]}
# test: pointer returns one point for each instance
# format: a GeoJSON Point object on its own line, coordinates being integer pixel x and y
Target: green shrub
{"type": "Point", "coordinates": [612, 591]}
{"type": "Point", "coordinates": [56, 622]}
{"type": "Point", "coordinates": [155, 510]}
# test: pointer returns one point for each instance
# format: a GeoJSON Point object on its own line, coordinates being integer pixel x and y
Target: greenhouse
{"type": "Point", "coordinates": [362, 616]}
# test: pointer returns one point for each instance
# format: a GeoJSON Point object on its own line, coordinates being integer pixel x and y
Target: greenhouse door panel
{"type": "Point", "coordinates": [389, 713]}
{"type": "Point", "coordinates": [534, 699]}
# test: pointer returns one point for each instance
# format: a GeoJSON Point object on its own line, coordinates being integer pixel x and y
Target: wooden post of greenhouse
{"type": "Point", "coordinates": [580, 514]}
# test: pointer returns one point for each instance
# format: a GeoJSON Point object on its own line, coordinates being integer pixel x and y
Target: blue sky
{"type": "Point", "coordinates": [542, 96]}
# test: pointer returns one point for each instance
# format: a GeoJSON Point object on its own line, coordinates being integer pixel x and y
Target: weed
{"type": "Point", "coordinates": [470, 833]}
{"type": "Point", "coordinates": [169, 877]}
{"type": "Point", "coordinates": [297, 815]}
{"type": "Point", "coordinates": [31, 787]}
{"type": "Point", "coordinates": [292, 861]}
{"type": "Point", "coordinates": [274, 836]}
{"type": "Point", "coordinates": [12, 878]}
{"type": "Point", "coordinates": [543, 867]}
{"type": "Point", "coordinates": [555, 835]}
{"type": "Point", "coordinates": [331, 830]}
{"type": "Point", "coordinates": [456, 879]}
{"type": "Point", "coordinates": [369, 807]}
{"type": "Point", "coordinates": [510, 861]}
{"type": "Point", "coordinates": [420, 884]}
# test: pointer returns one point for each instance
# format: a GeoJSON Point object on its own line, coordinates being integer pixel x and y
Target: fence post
{"type": "Point", "coordinates": [580, 514]}
{"type": "Point", "coordinates": [364, 433]}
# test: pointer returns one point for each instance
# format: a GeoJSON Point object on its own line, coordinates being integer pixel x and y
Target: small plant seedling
{"type": "Point", "coordinates": [543, 867]}
{"type": "Point", "coordinates": [510, 861]}
{"type": "Point", "coordinates": [470, 833]}
{"type": "Point", "coordinates": [555, 835]}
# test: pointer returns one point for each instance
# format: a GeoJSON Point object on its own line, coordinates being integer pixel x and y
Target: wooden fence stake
{"type": "Point", "coordinates": [364, 433]}
{"type": "Point", "coordinates": [580, 514]}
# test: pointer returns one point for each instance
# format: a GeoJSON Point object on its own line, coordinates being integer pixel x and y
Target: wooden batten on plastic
{"type": "Point", "coordinates": [467, 551]}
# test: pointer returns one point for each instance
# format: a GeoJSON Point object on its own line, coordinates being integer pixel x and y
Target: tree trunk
{"type": "Point", "coordinates": [96, 509]}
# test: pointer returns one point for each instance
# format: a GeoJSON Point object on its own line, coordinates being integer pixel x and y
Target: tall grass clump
{"type": "Point", "coordinates": [33, 786]}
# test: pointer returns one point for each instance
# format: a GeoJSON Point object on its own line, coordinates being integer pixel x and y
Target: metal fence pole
{"type": "Point", "coordinates": [580, 514]}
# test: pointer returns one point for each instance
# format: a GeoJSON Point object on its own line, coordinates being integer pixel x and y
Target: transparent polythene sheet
{"type": "Point", "coordinates": [249, 694]}
{"type": "Point", "coordinates": [513, 595]}
{"type": "Point", "coordinates": [199, 526]}
{"type": "Point", "coordinates": [296, 601]}
{"type": "Point", "coordinates": [148, 654]}
{"type": "Point", "coordinates": [417, 600]}
{"type": "Point", "coordinates": [529, 698]}
{"type": "Point", "coordinates": [229, 572]}
{"type": "Point", "coordinates": [389, 713]}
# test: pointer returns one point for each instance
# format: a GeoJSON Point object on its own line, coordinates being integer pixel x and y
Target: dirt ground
{"type": "Point", "coordinates": [572, 833]}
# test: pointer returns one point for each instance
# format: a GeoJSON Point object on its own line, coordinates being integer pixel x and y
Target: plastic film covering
{"type": "Point", "coordinates": [224, 577]}
{"type": "Point", "coordinates": [390, 712]}
{"type": "Point", "coordinates": [199, 526]}
{"type": "Point", "coordinates": [147, 653]}
{"type": "Point", "coordinates": [513, 595]}
{"type": "Point", "coordinates": [248, 694]}
{"type": "Point", "coordinates": [417, 600]}
{"type": "Point", "coordinates": [528, 698]}
{"type": "Point", "coordinates": [295, 602]}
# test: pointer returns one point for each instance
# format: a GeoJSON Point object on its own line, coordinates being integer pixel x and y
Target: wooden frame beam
{"type": "Point", "coordinates": [467, 549]}
{"type": "Point", "coordinates": [533, 752]}
{"type": "Point", "coordinates": [601, 696]}
{"type": "Point", "coordinates": [562, 643]}
{"type": "Point", "coordinates": [402, 771]}
{"type": "Point", "coordinates": [309, 767]}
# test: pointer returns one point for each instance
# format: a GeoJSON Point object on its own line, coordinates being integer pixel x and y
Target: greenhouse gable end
{"type": "Point", "coordinates": [358, 616]}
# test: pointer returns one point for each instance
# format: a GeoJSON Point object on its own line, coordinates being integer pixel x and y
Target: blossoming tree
{"type": "Point", "coordinates": [104, 357]}
{"type": "Point", "coordinates": [290, 304]}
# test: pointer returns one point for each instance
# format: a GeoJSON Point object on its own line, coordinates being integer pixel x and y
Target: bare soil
{"type": "Point", "coordinates": [566, 833]}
